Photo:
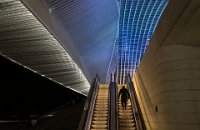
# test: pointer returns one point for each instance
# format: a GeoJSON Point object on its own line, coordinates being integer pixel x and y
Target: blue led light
{"type": "Point", "coordinates": [137, 22]}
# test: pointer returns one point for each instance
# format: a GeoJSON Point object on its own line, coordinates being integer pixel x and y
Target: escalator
{"type": "Point", "coordinates": [125, 117]}
{"type": "Point", "coordinates": [101, 111]}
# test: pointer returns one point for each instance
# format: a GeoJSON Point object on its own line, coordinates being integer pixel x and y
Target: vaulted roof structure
{"type": "Point", "coordinates": [69, 41]}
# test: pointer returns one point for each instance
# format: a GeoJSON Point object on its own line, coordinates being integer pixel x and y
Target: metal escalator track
{"type": "Point", "coordinates": [125, 117]}
{"type": "Point", "coordinates": [101, 111]}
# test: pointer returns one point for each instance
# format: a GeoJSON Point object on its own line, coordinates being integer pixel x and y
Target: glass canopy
{"type": "Point", "coordinates": [138, 20]}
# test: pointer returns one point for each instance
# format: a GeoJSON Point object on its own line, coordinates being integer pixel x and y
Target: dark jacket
{"type": "Point", "coordinates": [124, 93]}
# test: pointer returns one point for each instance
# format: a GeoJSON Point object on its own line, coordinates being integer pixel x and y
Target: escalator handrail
{"type": "Point", "coordinates": [91, 109]}
{"type": "Point", "coordinates": [135, 105]}
{"type": "Point", "coordinates": [86, 114]}
{"type": "Point", "coordinates": [113, 110]}
{"type": "Point", "coordinates": [116, 105]}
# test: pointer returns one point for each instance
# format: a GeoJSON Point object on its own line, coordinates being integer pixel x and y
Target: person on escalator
{"type": "Point", "coordinates": [124, 97]}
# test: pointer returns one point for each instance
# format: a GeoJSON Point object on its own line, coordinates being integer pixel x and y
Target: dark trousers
{"type": "Point", "coordinates": [124, 102]}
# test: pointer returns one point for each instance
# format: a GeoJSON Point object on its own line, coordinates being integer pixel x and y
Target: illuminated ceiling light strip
{"type": "Point", "coordinates": [136, 33]}
{"type": "Point", "coordinates": [140, 33]}
{"type": "Point", "coordinates": [124, 48]}
{"type": "Point", "coordinates": [128, 44]}
{"type": "Point", "coordinates": [146, 23]}
{"type": "Point", "coordinates": [132, 52]}
{"type": "Point", "coordinates": [129, 34]}
{"type": "Point", "coordinates": [109, 67]}
{"type": "Point", "coordinates": [117, 47]}
{"type": "Point", "coordinates": [161, 11]}
{"type": "Point", "coordinates": [121, 44]}
{"type": "Point", "coordinates": [138, 38]}
{"type": "Point", "coordinates": [148, 29]}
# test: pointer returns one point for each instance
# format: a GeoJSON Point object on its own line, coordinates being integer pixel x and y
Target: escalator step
{"type": "Point", "coordinates": [125, 111]}
{"type": "Point", "coordinates": [127, 107]}
{"type": "Point", "coordinates": [102, 99]}
{"type": "Point", "coordinates": [100, 122]}
{"type": "Point", "coordinates": [125, 114]}
{"type": "Point", "coordinates": [126, 124]}
{"type": "Point", "coordinates": [99, 100]}
{"type": "Point", "coordinates": [101, 109]}
{"type": "Point", "coordinates": [102, 103]}
{"type": "Point", "coordinates": [98, 129]}
{"type": "Point", "coordinates": [100, 112]}
{"type": "Point", "coordinates": [100, 115]}
{"type": "Point", "coordinates": [126, 121]}
{"type": "Point", "coordinates": [126, 117]}
{"type": "Point", "coordinates": [100, 106]}
{"type": "Point", "coordinates": [128, 128]}
{"type": "Point", "coordinates": [100, 119]}
{"type": "Point", "coordinates": [99, 126]}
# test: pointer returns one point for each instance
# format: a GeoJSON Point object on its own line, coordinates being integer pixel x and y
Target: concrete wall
{"type": "Point", "coordinates": [169, 75]}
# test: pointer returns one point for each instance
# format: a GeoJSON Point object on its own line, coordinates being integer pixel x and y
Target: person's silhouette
{"type": "Point", "coordinates": [124, 96]}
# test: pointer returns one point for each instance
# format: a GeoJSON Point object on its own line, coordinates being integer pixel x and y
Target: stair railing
{"type": "Point", "coordinates": [139, 120]}
{"type": "Point", "coordinates": [87, 113]}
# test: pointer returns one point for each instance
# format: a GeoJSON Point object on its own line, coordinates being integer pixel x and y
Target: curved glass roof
{"type": "Point", "coordinates": [138, 20]}
{"type": "Point", "coordinates": [97, 37]}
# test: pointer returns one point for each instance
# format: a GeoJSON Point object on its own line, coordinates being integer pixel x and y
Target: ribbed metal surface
{"type": "Point", "coordinates": [103, 36]}
{"type": "Point", "coordinates": [86, 29]}
{"type": "Point", "coordinates": [26, 41]}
